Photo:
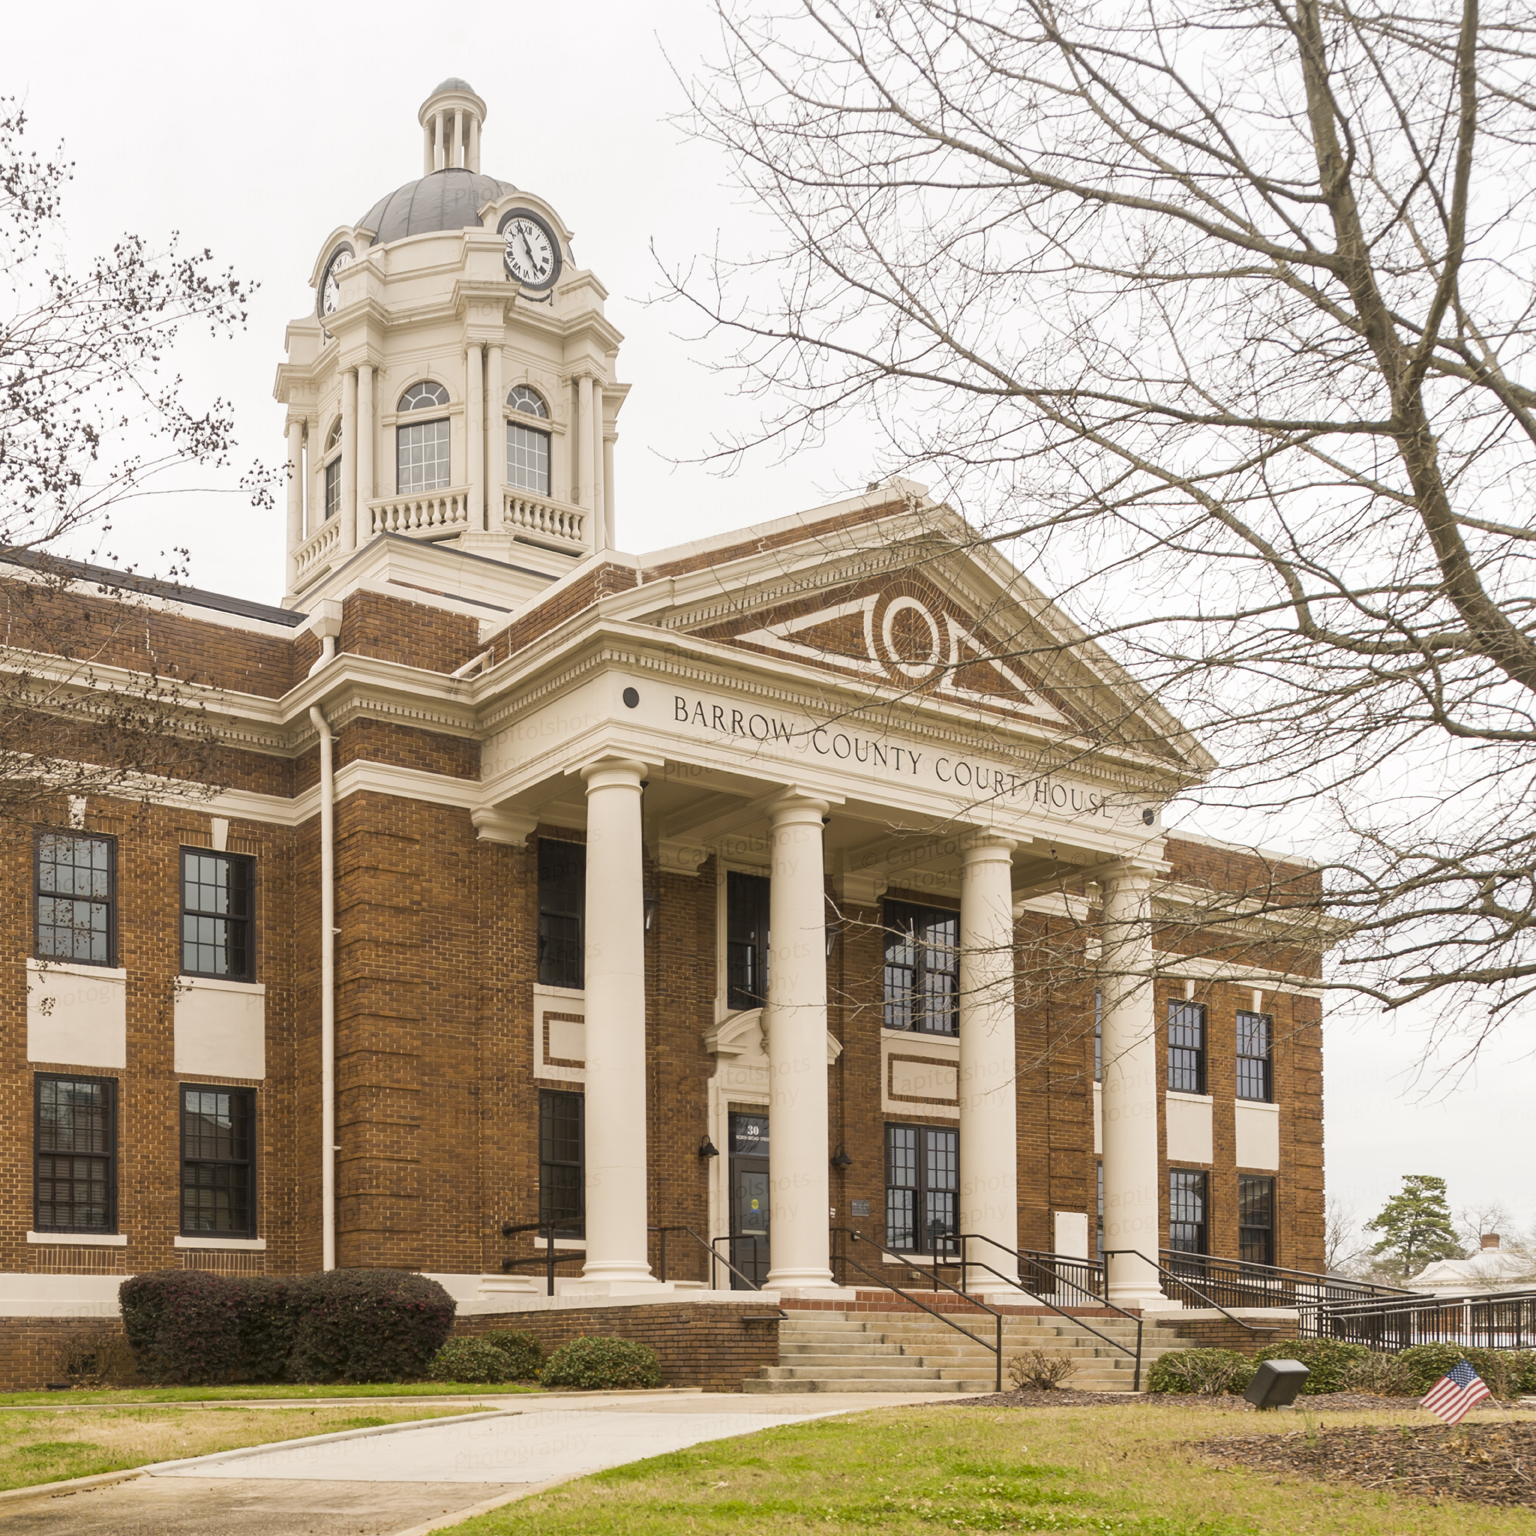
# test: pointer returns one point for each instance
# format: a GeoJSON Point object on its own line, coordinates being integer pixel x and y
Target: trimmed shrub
{"type": "Point", "coordinates": [1210, 1372]}
{"type": "Point", "coordinates": [596, 1365]}
{"type": "Point", "coordinates": [468, 1360]}
{"type": "Point", "coordinates": [269, 1322]}
{"type": "Point", "coordinates": [1381, 1375]}
{"type": "Point", "coordinates": [1503, 1369]}
{"type": "Point", "coordinates": [1327, 1361]}
{"type": "Point", "coordinates": [524, 1352]}
{"type": "Point", "coordinates": [368, 1325]}
{"type": "Point", "coordinates": [183, 1325]}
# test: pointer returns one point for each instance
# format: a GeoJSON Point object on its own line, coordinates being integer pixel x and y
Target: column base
{"type": "Point", "coordinates": [795, 1281]}
{"type": "Point", "coordinates": [1142, 1299]}
{"type": "Point", "coordinates": [605, 1285]}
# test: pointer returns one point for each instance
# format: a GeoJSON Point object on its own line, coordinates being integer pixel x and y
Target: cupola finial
{"type": "Point", "coordinates": [450, 120]}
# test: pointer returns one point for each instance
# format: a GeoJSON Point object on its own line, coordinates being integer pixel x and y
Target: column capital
{"type": "Point", "coordinates": [796, 806]}
{"type": "Point", "coordinates": [979, 847]}
{"type": "Point", "coordinates": [614, 772]}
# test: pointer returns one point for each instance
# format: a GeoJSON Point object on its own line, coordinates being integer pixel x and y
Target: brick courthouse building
{"type": "Point", "coordinates": [812, 868]}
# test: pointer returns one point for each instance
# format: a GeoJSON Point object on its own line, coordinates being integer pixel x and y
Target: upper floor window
{"type": "Point", "coordinates": [1186, 1047]}
{"type": "Point", "coordinates": [1255, 1061]}
{"type": "Point", "coordinates": [217, 896]}
{"type": "Point", "coordinates": [76, 897]}
{"type": "Point", "coordinates": [746, 940]}
{"type": "Point", "coordinates": [218, 1161]}
{"type": "Point", "coordinates": [422, 461]}
{"type": "Point", "coordinates": [74, 1141]}
{"type": "Point", "coordinates": [562, 913]}
{"type": "Point", "coordinates": [333, 471]}
{"type": "Point", "coordinates": [527, 447]}
{"type": "Point", "coordinates": [922, 968]}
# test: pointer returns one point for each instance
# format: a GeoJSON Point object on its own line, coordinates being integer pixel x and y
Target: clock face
{"type": "Point", "coordinates": [532, 253]}
{"type": "Point", "coordinates": [330, 289]}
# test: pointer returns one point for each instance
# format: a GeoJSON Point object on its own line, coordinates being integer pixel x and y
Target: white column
{"type": "Point", "coordinates": [615, 995]}
{"type": "Point", "coordinates": [428, 149]}
{"type": "Point", "coordinates": [1132, 1183]}
{"type": "Point", "coordinates": [495, 433]}
{"type": "Point", "coordinates": [474, 432]}
{"type": "Point", "coordinates": [599, 501]}
{"type": "Point", "coordinates": [295, 495]}
{"type": "Point", "coordinates": [581, 492]}
{"type": "Point", "coordinates": [474, 144]}
{"type": "Point", "coordinates": [988, 1086]}
{"type": "Point", "coordinates": [798, 1173]}
{"type": "Point", "coordinates": [442, 141]}
{"type": "Point", "coordinates": [348, 513]}
{"type": "Point", "coordinates": [366, 433]}
{"type": "Point", "coordinates": [609, 520]}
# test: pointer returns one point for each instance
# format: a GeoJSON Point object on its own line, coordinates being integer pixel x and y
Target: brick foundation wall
{"type": "Point", "coordinates": [29, 1347]}
{"type": "Point", "coordinates": [1218, 1333]}
{"type": "Point", "coordinates": [700, 1344]}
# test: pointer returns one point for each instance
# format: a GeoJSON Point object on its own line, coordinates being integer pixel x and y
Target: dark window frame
{"type": "Point", "coordinates": [110, 1155]}
{"type": "Point", "coordinates": [234, 861]}
{"type": "Point", "coordinates": [549, 1098]}
{"type": "Point", "coordinates": [561, 958]}
{"type": "Point", "coordinates": [1245, 1181]}
{"type": "Point", "coordinates": [39, 895]}
{"type": "Point", "coordinates": [1256, 1071]}
{"type": "Point", "coordinates": [1195, 1181]}
{"type": "Point", "coordinates": [912, 1002]}
{"type": "Point", "coordinates": [1187, 1061]}
{"type": "Point", "coordinates": [747, 898]}
{"type": "Point", "coordinates": [248, 1097]}
{"type": "Point", "coordinates": [925, 1230]}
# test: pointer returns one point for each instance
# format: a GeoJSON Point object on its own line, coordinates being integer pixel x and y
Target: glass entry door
{"type": "Point", "coordinates": [749, 1197]}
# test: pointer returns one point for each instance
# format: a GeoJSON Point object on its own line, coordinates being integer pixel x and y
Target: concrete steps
{"type": "Point", "coordinates": [912, 1352]}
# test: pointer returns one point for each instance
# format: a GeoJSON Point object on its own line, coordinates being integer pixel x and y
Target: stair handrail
{"type": "Point", "coordinates": [1177, 1279]}
{"type": "Point", "coordinates": [885, 1285]}
{"type": "Point", "coordinates": [1348, 1289]}
{"type": "Point", "coordinates": [549, 1258]}
{"type": "Point", "coordinates": [709, 1248]}
{"type": "Point", "coordinates": [1102, 1303]}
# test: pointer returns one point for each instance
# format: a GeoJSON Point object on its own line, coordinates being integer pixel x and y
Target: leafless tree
{"type": "Point", "coordinates": [1218, 318]}
{"type": "Point", "coordinates": [84, 705]}
{"type": "Point", "coordinates": [1342, 1244]}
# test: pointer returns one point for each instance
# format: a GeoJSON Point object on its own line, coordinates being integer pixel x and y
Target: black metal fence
{"type": "Point", "coordinates": [1504, 1321]}
{"type": "Point", "coordinates": [1237, 1283]}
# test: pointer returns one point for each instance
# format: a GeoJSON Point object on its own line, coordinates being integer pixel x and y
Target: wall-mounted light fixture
{"type": "Point", "coordinates": [831, 939]}
{"type": "Point", "coordinates": [652, 902]}
{"type": "Point", "coordinates": [708, 1149]}
{"type": "Point", "coordinates": [841, 1161]}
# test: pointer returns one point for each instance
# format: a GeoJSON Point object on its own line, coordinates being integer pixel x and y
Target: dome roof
{"type": "Point", "coordinates": [450, 199]}
{"type": "Point", "coordinates": [453, 83]}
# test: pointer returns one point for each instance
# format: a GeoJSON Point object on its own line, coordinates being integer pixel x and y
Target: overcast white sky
{"type": "Point", "coordinates": [256, 130]}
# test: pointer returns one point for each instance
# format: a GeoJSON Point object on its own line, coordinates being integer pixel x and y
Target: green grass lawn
{"type": "Point", "coordinates": [48, 1447]}
{"type": "Point", "coordinates": [919, 1471]}
{"type": "Point", "coordinates": [247, 1392]}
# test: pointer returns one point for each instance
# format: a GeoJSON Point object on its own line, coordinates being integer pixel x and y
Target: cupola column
{"type": "Point", "coordinates": [295, 495]}
{"type": "Point", "coordinates": [474, 144]}
{"type": "Point", "coordinates": [442, 141]}
{"type": "Point", "coordinates": [989, 1145]}
{"type": "Point", "coordinates": [495, 433]}
{"type": "Point", "coordinates": [799, 1178]}
{"type": "Point", "coordinates": [1129, 1104]}
{"type": "Point", "coordinates": [348, 512]}
{"type": "Point", "coordinates": [600, 539]}
{"type": "Point", "coordinates": [583, 487]}
{"type": "Point", "coordinates": [474, 433]}
{"type": "Point", "coordinates": [365, 441]}
{"type": "Point", "coordinates": [617, 1242]}
{"type": "Point", "coordinates": [610, 521]}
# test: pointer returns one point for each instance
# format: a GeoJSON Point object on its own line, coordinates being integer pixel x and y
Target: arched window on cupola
{"type": "Point", "coordinates": [527, 446]}
{"type": "Point", "coordinates": [422, 460]}
{"type": "Point", "coordinates": [332, 461]}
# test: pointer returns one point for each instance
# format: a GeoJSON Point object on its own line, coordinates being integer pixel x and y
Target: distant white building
{"type": "Point", "coordinates": [1491, 1268]}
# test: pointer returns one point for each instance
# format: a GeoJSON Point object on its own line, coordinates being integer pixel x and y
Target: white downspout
{"type": "Point", "coordinates": [327, 992]}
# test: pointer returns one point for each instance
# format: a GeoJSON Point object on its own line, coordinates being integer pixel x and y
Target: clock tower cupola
{"type": "Point", "coordinates": [452, 394]}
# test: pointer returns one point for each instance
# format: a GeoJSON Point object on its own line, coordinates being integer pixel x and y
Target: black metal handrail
{"type": "Point", "coordinates": [1168, 1276]}
{"type": "Point", "coordinates": [549, 1258]}
{"type": "Point", "coordinates": [1242, 1282]}
{"type": "Point", "coordinates": [1500, 1320]}
{"type": "Point", "coordinates": [885, 1285]}
{"type": "Point", "coordinates": [709, 1248]}
{"type": "Point", "coordinates": [1027, 1258]}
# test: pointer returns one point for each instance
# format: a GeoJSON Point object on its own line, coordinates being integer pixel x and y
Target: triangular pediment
{"type": "Point", "coordinates": [906, 634]}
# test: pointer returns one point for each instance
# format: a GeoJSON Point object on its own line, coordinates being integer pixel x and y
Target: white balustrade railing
{"type": "Point", "coordinates": [529, 513]}
{"type": "Point", "coordinates": [427, 515]}
{"type": "Point", "coordinates": [317, 548]}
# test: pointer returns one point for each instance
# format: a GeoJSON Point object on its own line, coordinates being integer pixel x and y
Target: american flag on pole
{"type": "Point", "coordinates": [1458, 1391]}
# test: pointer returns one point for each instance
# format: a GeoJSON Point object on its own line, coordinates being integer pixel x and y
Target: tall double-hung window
{"type": "Point", "coordinates": [1255, 1056]}
{"type": "Point", "coordinates": [1255, 1219]}
{"type": "Point", "coordinates": [746, 939]}
{"type": "Point", "coordinates": [922, 1180]}
{"type": "Point", "coordinates": [74, 1146]}
{"type": "Point", "coordinates": [922, 968]}
{"type": "Point", "coordinates": [561, 1152]}
{"type": "Point", "coordinates": [1186, 1047]}
{"type": "Point", "coordinates": [218, 1160]}
{"type": "Point", "coordinates": [421, 447]}
{"type": "Point", "coordinates": [527, 445]}
{"type": "Point", "coordinates": [217, 911]}
{"type": "Point", "coordinates": [562, 913]}
{"type": "Point", "coordinates": [1188, 1202]}
{"type": "Point", "coordinates": [75, 906]}
{"type": "Point", "coordinates": [333, 471]}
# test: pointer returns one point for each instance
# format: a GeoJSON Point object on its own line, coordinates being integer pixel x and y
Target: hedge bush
{"type": "Point", "coordinates": [469, 1360]}
{"type": "Point", "coordinates": [596, 1365]}
{"type": "Point", "coordinates": [183, 1326]}
{"type": "Point", "coordinates": [524, 1352]}
{"type": "Point", "coordinates": [368, 1325]}
{"type": "Point", "coordinates": [1380, 1375]}
{"type": "Point", "coordinates": [188, 1327]}
{"type": "Point", "coordinates": [1210, 1372]}
{"type": "Point", "coordinates": [1508, 1372]}
{"type": "Point", "coordinates": [1327, 1361]}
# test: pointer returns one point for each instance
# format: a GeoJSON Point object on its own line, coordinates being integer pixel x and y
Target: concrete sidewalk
{"type": "Point", "coordinates": [410, 1481]}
